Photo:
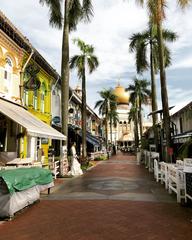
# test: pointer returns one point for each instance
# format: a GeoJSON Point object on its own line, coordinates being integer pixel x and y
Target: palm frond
{"type": "Point", "coordinates": [169, 36]}
{"type": "Point", "coordinates": [183, 3]}
{"type": "Point", "coordinates": [78, 62]}
{"type": "Point", "coordinates": [92, 62]}
{"type": "Point", "coordinates": [87, 10]}
{"type": "Point", "coordinates": [167, 56]}
{"type": "Point", "coordinates": [54, 11]}
{"type": "Point", "coordinates": [141, 58]}
{"type": "Point", "coordinates": [74, 14]}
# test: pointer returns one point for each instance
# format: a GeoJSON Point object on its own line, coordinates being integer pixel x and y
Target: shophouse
{"type": "Point", "coordinates": [25, 84]}
{"type": "Point", "coordinates": [74, 127]}
{"type": "Point", "coordinates": [182, 120]}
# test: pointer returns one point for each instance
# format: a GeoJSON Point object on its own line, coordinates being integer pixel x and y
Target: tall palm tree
{"type": "Point", "coordinates": [113, 118]}
{"type": "Point", "coordinates": [156, 10]}
{"type": "Point", "coordinates": [139, 94]}
{"type": "Point", "coordinates": [157, 14]}
{"type": "Point", "coordinates": [108, 100]}
{"type": "Point", "coordinates": [140, 42]}
{"type": "Point", "coordinates": [74, 12]}
{"type": "Point", "coordinates": [86, 60]}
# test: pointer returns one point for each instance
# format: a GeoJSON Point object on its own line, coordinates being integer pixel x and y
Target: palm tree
{"type": "Point", "coordinates": [104, 105]}
{"type": "Point", "coordinates": [74, 12]}
{"type": "Point", "coordinates": [139, 44]}
{"type": "Point", "coordinates": [88, 60]}
{"type": "Point", "coordinates": [113, 118]}
{"type": "Point", "coordinates": [156, 10]}
{"type": "Point", "coordinates": [139, 94]}
{"type": "Point", "coordinates": [157, 14]}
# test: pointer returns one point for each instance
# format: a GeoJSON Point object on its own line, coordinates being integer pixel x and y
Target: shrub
{"type": "Point", "coordinates": [101, 158]}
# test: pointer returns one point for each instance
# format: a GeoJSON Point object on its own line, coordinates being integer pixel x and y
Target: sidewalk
{"type": "Point", "coordinates": [115, 200]}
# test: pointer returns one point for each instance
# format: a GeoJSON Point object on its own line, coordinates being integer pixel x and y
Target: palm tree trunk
{"type": "Point", "coordinates": [154, 95]}
{"type": "Point", "coordinates": [84, 118]}
{"type": "Point", "coordinates": [164, 96]}
{"type": "Point", "coordinates": [111, 130]}
{"type": "Point", "coordinates": [140, 120]}
{"type": "Point", "coordinates": [65, 73]}
{"type": "Point", "coordinates": [106, 131]}
{"type": "Point", "coordinates": [136, 130]}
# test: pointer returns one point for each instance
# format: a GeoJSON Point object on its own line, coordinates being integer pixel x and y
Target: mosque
{"type": "Point", "coordinates": [123, 133]}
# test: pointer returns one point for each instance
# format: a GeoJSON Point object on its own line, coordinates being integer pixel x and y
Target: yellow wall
{"type": "Point", "coordinates": [45, 116]}
{"type": "Point", "coordinates": [10, 49]}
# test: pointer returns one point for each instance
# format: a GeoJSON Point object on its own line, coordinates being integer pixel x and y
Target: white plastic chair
{"type": "Point", "coordinates": [152, 157]}
{"type": "Point", "coordinates": [176, 181]}
{"type": "Point", "coordinates": [164, 177]}
{"type": "Point", "coordinates": [157, 171]}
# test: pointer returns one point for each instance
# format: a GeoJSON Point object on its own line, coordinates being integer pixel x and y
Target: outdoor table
{"type": "Point", "coordinates": [20, 161]}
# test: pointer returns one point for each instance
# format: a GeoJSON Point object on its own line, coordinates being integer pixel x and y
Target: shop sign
{"type": "Point", "coordinates": [44, 140]}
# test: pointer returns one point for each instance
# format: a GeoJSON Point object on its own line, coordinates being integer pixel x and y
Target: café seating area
{"type": "Point", "coordinates": [176, 177]}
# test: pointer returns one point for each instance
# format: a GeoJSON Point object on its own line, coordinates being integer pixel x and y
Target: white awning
{"type": "Point", "coordinates": [34, 126]}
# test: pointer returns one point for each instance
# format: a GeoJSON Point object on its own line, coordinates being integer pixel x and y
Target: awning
{"type": "Point", "coordinates": [93, 139]}
{"type": "Point", "coordinates": [89, 137]}
{"type": "Point", "coordinates": [34, 126]}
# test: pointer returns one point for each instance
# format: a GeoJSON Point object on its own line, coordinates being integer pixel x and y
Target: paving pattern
{"type": "Point", "coordinates": [116, 200]}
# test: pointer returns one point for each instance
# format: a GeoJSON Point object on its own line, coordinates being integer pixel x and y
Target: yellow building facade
{"type": "Point", "coordinates": [38, 102]}
{"type": "Point", "coordinates": [11, 56]}
{"type": "Point", "coordinates": [26, 79]}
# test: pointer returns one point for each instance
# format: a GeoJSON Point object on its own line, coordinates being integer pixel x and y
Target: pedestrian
{"type": "Point", "coordinates": [114, 149]}
{"type": "Point", "coordinates": [75, 165]}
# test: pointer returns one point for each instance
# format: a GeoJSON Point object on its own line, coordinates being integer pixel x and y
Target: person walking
{"type": "Point", "coordinates": [75, 165]}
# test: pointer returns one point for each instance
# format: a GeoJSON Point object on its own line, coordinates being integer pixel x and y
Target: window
{"type": "Point", "coordinates": [35, 99]}
{"type": "Point", "coordinates": [42, 102]}
{"type": "Point", "coordinates": [26, 97]}
{"type": "Point", "coordinates": [43, 94]}
{"type": "Point", "coordinates": [8, 74]}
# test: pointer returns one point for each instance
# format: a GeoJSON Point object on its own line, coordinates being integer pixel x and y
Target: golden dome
{"type": "Point", "coordinates": [122, 95]}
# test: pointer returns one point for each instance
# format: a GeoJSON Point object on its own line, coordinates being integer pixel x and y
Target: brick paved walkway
{"type": "Point", "coordinates": [116, 200]}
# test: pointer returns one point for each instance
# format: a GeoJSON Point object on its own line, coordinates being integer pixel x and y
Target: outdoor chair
{"type": "Point", "coordinates": [179, 163]}
{"type": "Point", "coordinates": [54, 166]}
{"type": "Point", "coordinates": [164, 177]}
{"type": "Point", "coordinates": [157, 170]}
{"type": "Point", "coordinates": [147, 156]}
{"type": "Point", "coordinates": [176, 181]}
{"type": "Point", "coordinates": [138, 158]}
{"type": "Point", "coordinates": [153, 156]}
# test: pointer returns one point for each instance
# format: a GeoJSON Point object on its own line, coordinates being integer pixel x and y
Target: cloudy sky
{"type": "Point", "coordinates": [109, 31]}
